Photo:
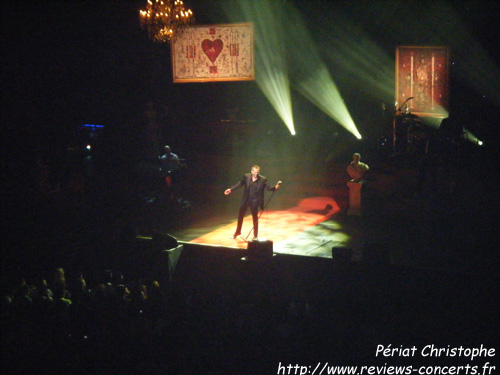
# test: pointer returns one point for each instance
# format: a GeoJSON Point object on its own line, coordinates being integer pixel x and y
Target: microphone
{"type": "Point", "coordinates": [399, 109]}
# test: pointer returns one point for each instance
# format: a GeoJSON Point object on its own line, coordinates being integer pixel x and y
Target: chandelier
{"type": "Point", "coordinates": [165, 19]}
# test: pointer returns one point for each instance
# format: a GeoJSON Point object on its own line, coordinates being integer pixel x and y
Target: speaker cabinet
{"type": "Point", "coordinates": [260, 249]}
{"type": "Point", "coordinates": [164, 241]}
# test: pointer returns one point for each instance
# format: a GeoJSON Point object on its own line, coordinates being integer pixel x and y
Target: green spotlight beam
{"type": "Point", "coordinates": [311, 77]}
{"type": "Point", "coordinates": [320, 89]}
{"type": "Point", "coordinates": [472, 63]}
{"type": "Point", "coordinates": [356, 62]}
{"type": "Point", "coordinates": [370, 70]}
{"type": "Point", "coordinates": [270, 57]}
{"type": "Point", "coordinates": [472, 138]}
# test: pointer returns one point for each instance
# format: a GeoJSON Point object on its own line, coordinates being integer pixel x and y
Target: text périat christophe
{"type": "Point", "coordinates": [434, 351]}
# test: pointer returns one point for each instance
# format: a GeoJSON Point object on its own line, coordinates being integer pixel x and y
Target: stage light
{"type": "Point", "coordinates": [320, 90]}
{"type": "Point", "coordinates": [472, 138]}
{"type": "Point", "coordinates": [311, 76]}
{"type": "Point", "coordinates": [275, 86]}
{"type": "Point", "coordinates": [270, 57]}
{"type": "Point", "coordinates": [474, 63]}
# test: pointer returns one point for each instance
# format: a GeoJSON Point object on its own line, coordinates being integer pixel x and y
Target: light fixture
{"type": "Point", "coordinates": [165, 19]}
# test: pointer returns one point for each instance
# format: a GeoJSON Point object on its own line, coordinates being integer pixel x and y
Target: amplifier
{"type": "Point", "coordinates": [260, 249]}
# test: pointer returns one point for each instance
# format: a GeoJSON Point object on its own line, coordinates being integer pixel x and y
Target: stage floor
{"type": "Point", "coordinates": [302, 230]}
{"type": "Point", "coordinates": [430, 227]}
{"type": "Point", "coordinates": [312, 227]}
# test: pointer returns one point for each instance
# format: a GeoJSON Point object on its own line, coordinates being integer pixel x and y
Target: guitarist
{"type": "Point", "coordinates": [253, 198]}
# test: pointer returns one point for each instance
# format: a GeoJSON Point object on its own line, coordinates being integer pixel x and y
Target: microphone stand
{"type": "Point", "coordinates": [261, 212]}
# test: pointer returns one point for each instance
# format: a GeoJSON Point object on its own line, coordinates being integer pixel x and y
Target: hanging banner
{"type": "Point", "coordinates": [422, 73]}
{"type": "Point", "coordinates": [214, 53]}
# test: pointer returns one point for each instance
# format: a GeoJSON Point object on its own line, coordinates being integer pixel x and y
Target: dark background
{"type": "Point", "coordinates": [65, 64]}
{"type": "Point", "coordinates": [69, 63]}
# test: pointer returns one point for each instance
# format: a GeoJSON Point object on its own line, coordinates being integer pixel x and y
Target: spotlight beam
{"type": "Point", "coordinates": [322, 91]}
{"type": "Point", "coordinates": [271, 66]}
{"type": "Point", "coordinates": [312, 78]}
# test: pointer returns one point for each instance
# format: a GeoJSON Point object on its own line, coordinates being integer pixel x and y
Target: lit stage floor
{"type": "Point", "coordinates": [307, 229]}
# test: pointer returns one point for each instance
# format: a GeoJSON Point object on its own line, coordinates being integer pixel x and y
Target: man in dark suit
{"type": "Point", "coordinates": [253, 197]}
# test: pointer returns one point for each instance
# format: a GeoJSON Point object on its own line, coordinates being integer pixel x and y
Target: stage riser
{"type": "Point", "coordinates": [210, 271]}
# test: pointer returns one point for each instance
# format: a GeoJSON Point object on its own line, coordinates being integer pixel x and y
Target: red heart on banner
{"type": "Point", "coordinates": [212, 48]}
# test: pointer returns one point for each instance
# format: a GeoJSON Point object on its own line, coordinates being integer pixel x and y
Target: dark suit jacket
{"type": "Point", "coordinates": [262, 185]}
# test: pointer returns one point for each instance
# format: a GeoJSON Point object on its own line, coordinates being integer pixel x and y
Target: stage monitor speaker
{"type": "Point", "coordinates": [164, 241]}
{"type": "Point", "coordinates": [341, 253]}
{"type": "Point", "coordinates": [260, 249]}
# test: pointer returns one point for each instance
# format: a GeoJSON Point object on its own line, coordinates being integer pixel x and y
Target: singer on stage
{"type": "Point", "coordinates": [253, 197]}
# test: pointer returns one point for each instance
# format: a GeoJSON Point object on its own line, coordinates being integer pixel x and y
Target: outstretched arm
{"type": "Point", "coordinates": [236, 186]}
